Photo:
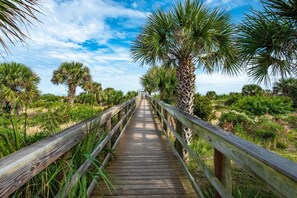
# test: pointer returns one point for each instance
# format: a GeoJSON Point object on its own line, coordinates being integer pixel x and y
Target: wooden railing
{"type": "Point", "coordinates": [19, 167]}
{"type": "Point", "coordinates": [279, 173]}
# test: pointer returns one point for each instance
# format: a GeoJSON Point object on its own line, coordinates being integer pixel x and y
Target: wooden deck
{"type": "Point", "coordinates": [145, 165]}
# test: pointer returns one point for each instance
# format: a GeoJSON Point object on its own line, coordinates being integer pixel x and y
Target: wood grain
{"type": "Point", "coordinates": [145, 163]}
{"type": "Point", "coordinates": [19, 167]}
{"type": "Point", "coordinates": [276, 171]}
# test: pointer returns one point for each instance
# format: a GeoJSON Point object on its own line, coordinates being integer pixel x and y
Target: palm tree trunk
{"type": "Point", "coordinates": [71, 93]}
{"type": "Point", "coordinates": [185, 91]}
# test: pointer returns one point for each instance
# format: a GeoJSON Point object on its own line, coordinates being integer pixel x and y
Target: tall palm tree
{"type": "Point", "coordinates": [190, 36]}
{"type": "Point", "coordinates": [72, 74]}
{"type": "Point", "coordinates": [268, 41]}
{"type": "Point", "coordinates": [18, 85]}
{"type": "Point", "coordinates": [13, 14]}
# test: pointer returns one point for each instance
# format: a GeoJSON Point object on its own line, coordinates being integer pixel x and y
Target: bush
{"type": "Point", "coordinates": [82, 112]}
{"type": "Point", "coordinates": [232, 98]}
{"type": "Point", "coordinates": [52, 98]}
{"type": "Point", "coordinates": [236, 118]}
{"type": "Point", "coordinates": [202, 107]}
{"type": "Point", "coordinates": [252, 90]}
{"type": "Point", "coordinates": [260, 105]}
{"type": "Point", "coordinates": [265, 129]}
{"type": "Point", "coordinates": [211, 95]}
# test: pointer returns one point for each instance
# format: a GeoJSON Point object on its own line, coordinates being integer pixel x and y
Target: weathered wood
{"type": "Point", "coordinates": [166, 116]}
{"type": "Point", "coordinates": [279, 172]}
{"type": "Point", "coordinates": [213, 180]}
{"type": "Point", "coordinates": [222, 170]}
{"type": "Point", "coordinates": [144, 155]}
{"type": "Point", "coordinates": [19, 167]}
{"type": "Point", "coordinates": [84, 167]}
{"type": "Point", "coordinates": [177, 144]}
{"type": "Point", "coordinates": [105, 161]}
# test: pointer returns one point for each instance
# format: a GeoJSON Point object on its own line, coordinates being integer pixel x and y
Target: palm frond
{"type": "Point", "coordinates": [13, 15]}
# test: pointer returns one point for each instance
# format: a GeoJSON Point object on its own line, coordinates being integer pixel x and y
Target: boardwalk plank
{"type": "Point", "coordinates": [145, 165]}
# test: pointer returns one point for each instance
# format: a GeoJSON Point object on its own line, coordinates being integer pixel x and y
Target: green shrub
{"type": "Point", "coordinates": [266, 128]}
{"type": "Point", "coordinates": [252, 90]}
{"type": "Point", "coordinates": [261, 105]}
{"type": "Point", "coordinates": [211, 95]}
{"type": "Point", "coordinates": [85, 98]}
{"type": "Point", "coordinates": [52, 98]}
{"type": "Point", "coordinates": [82, 112]}
{"type": "Point", "coordinates": [236, 118]}
{"type": "Point", "coordinates": [202, 107]}
{"type": "Point", "coordinates": [232, 98]}
{"type": "Point", "coordinates": [292, 120]}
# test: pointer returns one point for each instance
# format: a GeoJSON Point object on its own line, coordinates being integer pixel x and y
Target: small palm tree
{"type": "Point", "coordinates": [161, 79]}
{"type": "Point", "coordinates": [190, 36]}
{"type": "Point", "coordinates": [18, 85]}
{"type": "Point", "coordinates": [13, 14]}
{"type": "Point", "coordinates": [147, 82]}
{"type": "Point", "coordinates": [95, 89]}
{"type": "Point", "coordinates": [72, 74]}
{"type": "Point", "coordinates": [252, 90]}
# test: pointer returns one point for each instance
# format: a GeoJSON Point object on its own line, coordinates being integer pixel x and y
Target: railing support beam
{"type": "Point", "coordinates": [222, 170]}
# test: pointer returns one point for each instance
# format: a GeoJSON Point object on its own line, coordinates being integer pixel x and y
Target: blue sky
{"type": "Point", "coordinates": [99, 34]}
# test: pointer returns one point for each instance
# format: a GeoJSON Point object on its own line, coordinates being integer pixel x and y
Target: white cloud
{"type": "Point", "coordinates": [222, 84]}
{"type": "Point", "coordinates": [65, 26]}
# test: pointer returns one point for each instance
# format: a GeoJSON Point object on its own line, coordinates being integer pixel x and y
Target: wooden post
{"type": "Point", "coordinates": [222, 169]}
{"type": "Point", "coordinates": [166, 118]}
{"type": "Point", "coordinates": [162, 115]}
{"type": "Point", "coordinates": [120, 116]}
{"type": "Point", "coordinates": [178, 146]}
{"type": "Point", "coordinates": [108, 129]}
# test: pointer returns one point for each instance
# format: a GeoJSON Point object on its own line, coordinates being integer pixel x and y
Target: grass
{"type": "Point", "coordinates": [277, 133]}
{"type": "Point", "coordinates": [13, 136]}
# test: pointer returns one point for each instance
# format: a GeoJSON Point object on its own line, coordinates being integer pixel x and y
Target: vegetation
{"type": "Point", "coordinates": [202, 107]}
{"type": "Point", "coordinates": [27, 117]}
{"type": "Point", "coordinates": [187, 37]}
{"type": "Point", "coordinates": [13, 15]}
{"type": "Point", "coordinates": [163, 80]}
{"type": "Point", "coordinates": [261, 105]}
{"type": "Point", "coordinates": [190, 35]}
{"type": "Point", "coordinates": [267, 40]}
{"type": "Point", "coordinates": [18, 86]}
{"type": "Point", "coordinates": [252, 90]}
{"type": "Point", "coordinates": [286, 87]}
{"type": "Point", "coordinates": [211, 95]}
{"type": "Point", "coordinates": [72, 74]}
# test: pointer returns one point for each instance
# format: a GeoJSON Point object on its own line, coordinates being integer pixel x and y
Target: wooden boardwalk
{"type": "Point", "coordinates": [145, 165]}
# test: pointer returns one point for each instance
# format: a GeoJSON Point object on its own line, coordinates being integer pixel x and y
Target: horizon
{"type": "Point", "coordinates": [99, 35]}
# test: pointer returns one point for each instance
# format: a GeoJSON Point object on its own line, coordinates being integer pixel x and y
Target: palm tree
{"type": "Point", "coordinates": [95, 89]}
{"type": "Point", "coordinates": [13, 14]}
{"type": "Point", "coordinates": [72, 74]}
{"type": "Point", "coordinates": [282, 8]}
{"type": "Point", "coordinates": [268, 41]}
{"type": "Point", "coordinates": [18, 85]}
{"type": "Point", "coordinates": [189, 36]}
{"type": "Point", "coordinates": [162, 79]}
{"type": "Point", "coordinates": [252, 90]}
{"type": "Point", "coordinates": [148, 83]}
{"type": "Point", "coordinates": [286, 87]}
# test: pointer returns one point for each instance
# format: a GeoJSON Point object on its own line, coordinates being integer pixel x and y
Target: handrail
{"type": "Point", "coordinates": [19, 167]}
{"type": "Point", "coordinates": [276, 171]}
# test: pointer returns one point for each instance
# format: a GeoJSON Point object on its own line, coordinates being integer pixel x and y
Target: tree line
{"type": "Point", "coordinates": [18, 86]}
